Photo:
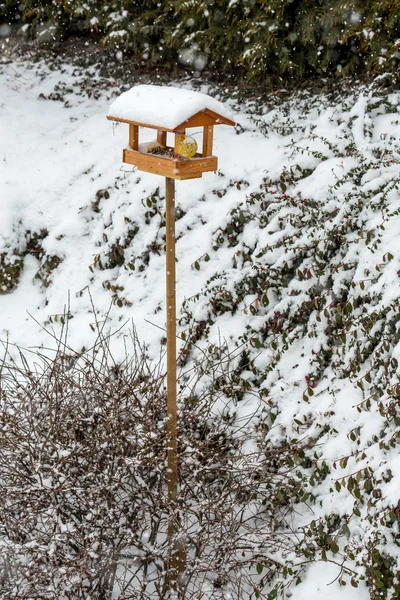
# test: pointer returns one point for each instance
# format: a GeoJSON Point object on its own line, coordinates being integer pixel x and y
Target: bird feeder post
{"type": "Point", "coordinates": [139, 107]}
{"type": "Point", "coordinates": [175, 565]}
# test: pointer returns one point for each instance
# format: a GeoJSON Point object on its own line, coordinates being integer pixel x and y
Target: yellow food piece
{"type": "Point", "coordinates": [187, 146]}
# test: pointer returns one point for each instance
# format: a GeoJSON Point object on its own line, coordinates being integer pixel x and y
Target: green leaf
{"type": "Point", "coordinates": [334, 547]}
{"type": "Point", "coordinates": [368, 486]}
{"type": "Point", "coordinates": [259, 568]}
{"type": "Point", "coordinates": [376, 557]}
{"type": "Point", "coordinates": [346, 530]}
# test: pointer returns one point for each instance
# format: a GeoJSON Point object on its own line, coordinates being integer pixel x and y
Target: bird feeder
{"type": "Point", "coordinates": [169, 110]}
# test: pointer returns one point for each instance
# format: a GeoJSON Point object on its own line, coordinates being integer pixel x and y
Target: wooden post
{"type": "Point", "coordinates": [162, 137]}
{"type": "Point", "coordinates": [174, 559]}
{"type": "Point", "coordinates": [178, 137]}
{"type": "Point", "coordinates": [134, 137]}
{"type": "Point", "coordinates": [208, 134]}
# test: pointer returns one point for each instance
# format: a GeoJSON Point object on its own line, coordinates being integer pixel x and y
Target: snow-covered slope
{"type": "Point", "coordinates": [289, 255]}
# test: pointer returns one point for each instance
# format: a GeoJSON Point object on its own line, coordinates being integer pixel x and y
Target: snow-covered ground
{"type": "Point", "coordinates": [56, 160]}
{"type": "Point", "coordinates": [64, 187]}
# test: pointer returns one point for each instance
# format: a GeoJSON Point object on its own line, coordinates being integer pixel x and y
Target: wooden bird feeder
{"type": "Point", "coordinates": [169, 110]}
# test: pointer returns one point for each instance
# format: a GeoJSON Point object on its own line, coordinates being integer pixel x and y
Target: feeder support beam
{"type": "Point", "coordinates": [134, 137]}
{"type": "Point", "coordinates": [208, 134]}
{"type": "Point", "coordinates": [175, 553]}
{"type": "Point", "coordinates": [178, 137]}
{"type": "Point", "coordinates": [162, 137]}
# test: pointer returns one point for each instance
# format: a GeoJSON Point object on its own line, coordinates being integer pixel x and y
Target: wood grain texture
{"type": "Point", "coordinates": [177, 139]}
{"type": "Point", "coordinates": [168, 167]}
{"type": "Point", "coordinates": [162, 137]}
{"type": "Point", "coordinates": [139, 124]}
{"type": "Point", "coordinates": [134, 137]}
{"type": "Point", "coordinates": [176, 547]}
{"type": "Point", "coordinates": [172, 433]}
{"type": "Point", "coordinates": [204, 117]}
{"type": "Point", "coordinates": [208, 136]}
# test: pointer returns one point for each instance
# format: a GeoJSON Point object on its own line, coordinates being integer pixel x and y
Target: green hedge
{"type": "Point", "coordinates": [252, 38]}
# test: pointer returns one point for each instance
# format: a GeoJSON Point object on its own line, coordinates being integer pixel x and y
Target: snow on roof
{"type": "Point", "coordinates": [162, 106]}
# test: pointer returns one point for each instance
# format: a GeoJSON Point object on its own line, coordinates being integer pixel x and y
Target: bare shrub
{"type": "Point", "coordinates": [83, 484]}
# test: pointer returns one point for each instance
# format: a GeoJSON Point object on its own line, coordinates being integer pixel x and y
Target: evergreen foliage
{"type": "Point", "coordinates": [253, 38]}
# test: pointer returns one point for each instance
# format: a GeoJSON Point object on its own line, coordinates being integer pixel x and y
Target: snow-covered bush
{"type": "Point", "coordinates": [83, 483]}
{"type": "Point", "coordinates": [274, 39]}
{"type": "Point", "coordinates": [314, 277]}
{"type": "Point", "coordinates": [12, 260]}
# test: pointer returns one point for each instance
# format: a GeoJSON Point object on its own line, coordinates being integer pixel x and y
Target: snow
{"type": "Point", "coordinates": [58, 158]}
{"type": "Point", "coordinates": [322, 582]}
{"type": "Point", "coordinates": [163, 106]}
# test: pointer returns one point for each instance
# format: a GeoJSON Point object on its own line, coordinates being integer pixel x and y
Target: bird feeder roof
{"type": "Point", "coordinates": [168, 108]}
